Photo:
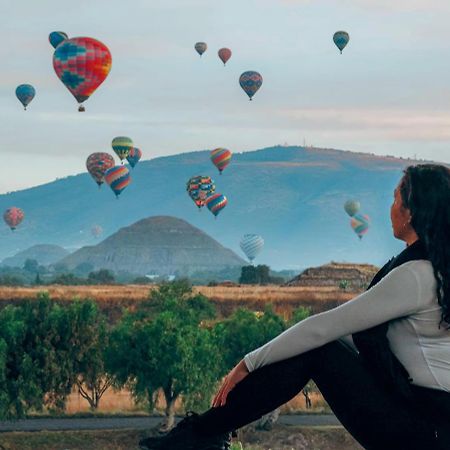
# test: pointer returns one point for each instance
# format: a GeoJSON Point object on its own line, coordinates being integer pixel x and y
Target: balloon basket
{"type": "Point", "coordinates": [81, 108]}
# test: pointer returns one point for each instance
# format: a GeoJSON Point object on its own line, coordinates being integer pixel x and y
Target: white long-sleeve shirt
{"type": "Point", "coordinates": [407, 297]}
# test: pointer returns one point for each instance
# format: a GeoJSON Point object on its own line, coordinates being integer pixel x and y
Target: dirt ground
{"type": "Point", "coordinates": [280, 438]}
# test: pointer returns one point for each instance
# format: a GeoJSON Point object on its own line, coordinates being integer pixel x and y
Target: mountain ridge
{"type": "Point", "coordinates": [292, 196]}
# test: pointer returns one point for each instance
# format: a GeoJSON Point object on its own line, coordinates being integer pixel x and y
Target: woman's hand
{"type": "Point", "coordinates": [237, 374]}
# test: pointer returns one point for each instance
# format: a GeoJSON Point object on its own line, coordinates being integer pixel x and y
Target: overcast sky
{"type": "Point", "coordinates": [387, 94]}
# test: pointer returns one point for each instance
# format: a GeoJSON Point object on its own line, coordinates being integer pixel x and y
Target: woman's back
{"type": "Point", "coordinates": [417, 340]}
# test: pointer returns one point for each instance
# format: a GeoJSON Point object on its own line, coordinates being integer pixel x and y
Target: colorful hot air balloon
{"type": "Point", "coordinates": [224, 55]}
{"type": "Point", "coordinates": [97, 164]}
{"type": "Point", "coordinates": [351, 207]}
{"type": "Point", "coordinates": [251, 245]}
{"type": "Point", "coordinates": [341, 39]}
{"type": "Point", "coordinates": [216, 203]}
{"type": "Point", "coordinates": [199, 188]}
{"type": "Point", "coordinates": [122, 145]}
{"type": "Point", "coordinates": [25, 93]}
{"type": "Point", "coordinates": [221, 157]}
{"type": "Point", "coordinates": [201, 48]}
{"type": "Point", "coordinates": [118, 178]}
{"type": "Point", "coordinates": [13, 216]}
{"type": "Point", "coordinates": [250, 82]}
{"type": "Point", "coordinates": [82, 64]}
{"type": "Point", "coordinates": [134, 156]}
{"type": "Point", "coordinates": [56, 37]}
{"type": "Point", "coordinates": [96, 231]}
{"type": "Point", "coordinates": [360, 224]}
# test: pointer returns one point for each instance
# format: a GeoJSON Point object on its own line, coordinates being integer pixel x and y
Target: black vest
{"type": "Point", "coordinates": [373, 344]}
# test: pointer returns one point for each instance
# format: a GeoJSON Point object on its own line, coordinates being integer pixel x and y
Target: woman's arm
{"type": "Point", "coordinates": [395, 296]}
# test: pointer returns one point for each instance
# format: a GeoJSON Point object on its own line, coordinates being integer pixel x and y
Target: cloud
{"type": "Point", "coordinates": [395, 124]}
{"type": "Point", "coordinates": [379, 5]}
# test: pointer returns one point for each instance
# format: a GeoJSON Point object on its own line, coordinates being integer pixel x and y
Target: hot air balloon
{"type": "Point", "coordinates": [341, 39]}
{"type": "Point", "coordinates": [25, 93]}
{"type": "Point", "coordinates": [201, 48]}
{"type": "Point", "coordinates": [13, 216]}
{"type": "Point", "coordinates": [360, 224]}
{"type": "Point", "coordinates": [96, 231]}
{"type": "Point", "coordinates": [224, 55]}
{"type": "Point", "coordinates": [134, 156]}
{"type": "Point", "coordinates": [215, 203]}
{"type": "Point", "coordinates": [221, 157]}
{"type": "Point", "coordinates": [351, 207]}
{"type": "Point", "coordinates": [122, 145]}
{"type": "Point", "coordinates": [250, 82]}
{"type": "Point", "coordinates": [82, 64]}
{"type": "Point", "coordinates": [56, 37]}
{"type": "Point", "coordinates": [251, 245]}
{"type": "Point", "coordinates": [118, 178]}
{"type": "Point", "coordinates": [97, 164]}
{"type": "Point", "coordinates": [199, 188]}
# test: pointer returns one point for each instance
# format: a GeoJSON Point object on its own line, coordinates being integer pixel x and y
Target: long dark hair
{"type": "Point", "coordinates": [425, 191]}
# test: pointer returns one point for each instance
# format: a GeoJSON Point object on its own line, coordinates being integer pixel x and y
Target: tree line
{"type": "Point", "coordinates": [173, 343]}
{"type": "Point", "coordinates": [33, 273]}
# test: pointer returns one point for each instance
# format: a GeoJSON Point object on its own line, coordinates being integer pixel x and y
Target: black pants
{"type": "Point", "coordinates": [376, 418]}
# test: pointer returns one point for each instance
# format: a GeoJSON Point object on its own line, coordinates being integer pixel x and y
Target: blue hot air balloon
{"type": "Point", "coordinates": [341, 39]}
{"type": "Point", "coordinates": [56, 37]}
{"type": "Point", "coordinates": [250, 82]}
{"type": "Point", "coordinates": [200, 48]}
{"type": "Point", "coordinates": [216, 202]}
{"type": "Point", "coordinates": [251, 245]}
{"type": "Point", "coordinates": [118, 178]}
{"type": "Point", "coordinates": [25, 93]}
{"type": "Point", "coordinates": [134, 156]}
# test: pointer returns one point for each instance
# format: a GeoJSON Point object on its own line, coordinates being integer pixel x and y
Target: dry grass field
{"type": "Point", "coordinates": [112, 299]}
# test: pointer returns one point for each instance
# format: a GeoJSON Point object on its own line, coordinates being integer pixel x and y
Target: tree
{"type": "Point", "coordinates": [68, 279]}
{"type": "Point", "coordinates": [263, 274]}
{"type": "Point", "coordinates": [166, 345]}
{"type": "Point", "coordinates": [87, 338]}
{"type": "Point", "coordinates": [243, 332]}
{"type": "Point", "coordinates": [4, 397]}
{"type": "Point", "coordinates": [258, 275]}
{"type": "Point", "coordinates": [36, 375]}
{"type": "Point", "coordinates": [299, 314]}
{"type": "Point", "coordinates": [11, 280]}
{"type": "Point", "coordinates": [102, 276]}
{"type": "Point", "coordinates": [37, 280]}
{"type": "Point", "coordinates": [31, 265]}
{"type": "Point", "coordinates": [249, 275]}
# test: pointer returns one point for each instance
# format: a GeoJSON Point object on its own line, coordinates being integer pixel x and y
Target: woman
{"type": "Point", "coordinates": [381, 360]}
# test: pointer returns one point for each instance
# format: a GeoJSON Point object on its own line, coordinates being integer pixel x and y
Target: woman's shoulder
{"type": "Point", "coordinates": [419, 266]}
{"type": "Point", "coordinates": [423, 272]}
